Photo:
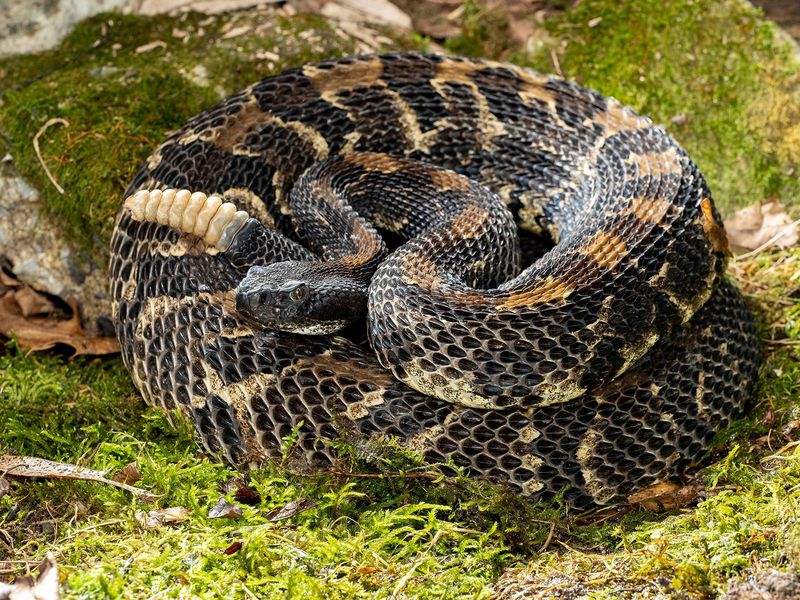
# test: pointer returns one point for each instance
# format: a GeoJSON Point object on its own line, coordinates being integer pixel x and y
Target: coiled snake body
{"type": "Point", "coordinates": [605, 366]}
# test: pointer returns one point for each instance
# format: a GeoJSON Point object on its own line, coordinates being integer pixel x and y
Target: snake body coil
{"type": "Point", "coordinates": [605, 366]}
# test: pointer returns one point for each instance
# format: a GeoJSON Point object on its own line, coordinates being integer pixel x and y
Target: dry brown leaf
{"type": "Point", "coordinates": [44, 332]}
{"type": "Point", "coordinates": [31, 466]}
{"type": "Point", "coordinates": [790, 428]}
{"type": "Point", "coordinates": [33, 303]}
{"type": "Point", "coordinates": [242, 492]}
{"type": "Point", "coordinates": [162, 516]}
{"type": "Point", "coordinates": [225, 510]}
{"type": "Point", "coordinates": [129, 474]}
{"type": "Point", "coordinates": [5, 487]}
{"type": "Point", "coordinates": [7, 280]}
{"type": "Point", "coordinates": [289, 510]}
{"type": "Point", "coordinates": [666, 496]}
{"type": "Point", "coordinates": [44, 588]}
{"type": "Point", "coordinates": [760, 227]}
{"type": "Point", "coordinates": [233, 548]}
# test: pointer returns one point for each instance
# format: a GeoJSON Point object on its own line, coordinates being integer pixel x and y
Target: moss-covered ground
{"type": "Point", "coordinates": [713, 72]}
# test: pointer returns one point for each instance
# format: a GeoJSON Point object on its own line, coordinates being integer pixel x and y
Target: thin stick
{"type": "Point", "coordinates": [556, 64]}
{"type": "Point", "coordinates": [549, 537]}
{"type": "Point", "coordinates": [56, 121]}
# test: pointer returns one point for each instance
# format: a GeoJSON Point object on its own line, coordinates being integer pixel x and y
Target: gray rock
{"type": "Point", "coordinates": [35, 25]}
{"type": "Point", "coordinates": [40, 256]}
{"type": "Point", "coordinates": [768, 585]}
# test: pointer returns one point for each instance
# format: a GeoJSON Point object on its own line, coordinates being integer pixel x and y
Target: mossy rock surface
{"type": "Point", "coordinates": [714, 73]}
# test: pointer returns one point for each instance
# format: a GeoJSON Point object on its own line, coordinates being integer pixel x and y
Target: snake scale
{"type": "Point", "coordinates": [606, 365]}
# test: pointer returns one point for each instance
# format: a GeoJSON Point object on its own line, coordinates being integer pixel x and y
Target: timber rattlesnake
{"type": "Point", "coordinates": [605, 366]}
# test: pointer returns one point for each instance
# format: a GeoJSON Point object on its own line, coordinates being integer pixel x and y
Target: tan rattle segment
{"type": "Point", "coordinates": [207, 217]}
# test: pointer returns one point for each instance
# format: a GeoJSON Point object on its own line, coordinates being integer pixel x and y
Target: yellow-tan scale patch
{"type": "Point", "coordinates": [373, 161]}
{"type": "Point", "coordinates": [618, 119]}
{"type": "Point", "coordinates": [452, 71]}
{"type": "Point", "coordinates": [457, 391]}
{"type": "Point", "coordinates": [605, 249]}
{"type": "Point", "coordinates": [448, 181]}
{"type": "Point", "coordinates": [470, 222]}
{"type": "Point", "coordinates": [666, 162]}
{"type": "Point", "coordinates": [593, 483]}
{"type": "Point", "coordinates": [651, 210]}
{"type": "Point", "coordinates": [344, 75]}
{"type": "Point", "coordinates": [239, 396]}
{"type": "Point", "coordinates": [550, 290]}
{"type": "Point", "coordinates": [713, 229]}
{"type": "Point", "coordinates": [365, 73]}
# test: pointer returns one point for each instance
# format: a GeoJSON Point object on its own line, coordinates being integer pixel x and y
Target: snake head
{"type": "Point", "coordinates": [299, 297]}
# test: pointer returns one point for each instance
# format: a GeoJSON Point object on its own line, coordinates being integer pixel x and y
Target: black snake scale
{"type": "Point", "coordinates": [604, 367]}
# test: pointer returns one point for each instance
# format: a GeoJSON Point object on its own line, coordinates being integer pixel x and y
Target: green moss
{"type": "Point", "coordinates": [715, 73]}
{"type": "Point", "coordinates": [362, 536]}
{"type": "Point", "coordinates": [484, 32]}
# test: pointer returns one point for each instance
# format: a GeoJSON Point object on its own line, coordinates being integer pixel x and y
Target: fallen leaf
{"type": "Point", "coordinates": [5, 487]}
{"type": "Point", "coordinates": [760, 227]}
{"type": "Point", "coordinates": [233, 548]}
{"type": "Point", "coordinates": [790, 428]}
{"type": "Point", "coordinates": [225, 510]}
{"type": "Point", "coordinates": [45, 332]}
{"type": "Point", "coordinates": [289, 510]}
{"type": "Point", "coordinates": [666, 496]}
{"type": "Point", "coordinates": [33, 303]}
{"type": "Point", "coordinates": [242, 492]}
{"type": "Point", "coordinates": [129, 474]}
{"type": "Point", "coordinates": [31, 466]}
{"type": "Point", "coordinates": [162, 516]}
{"type": "Point", "coordinates": [45, 587]}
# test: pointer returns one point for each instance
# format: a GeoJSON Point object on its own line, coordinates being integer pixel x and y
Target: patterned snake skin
{"type": "Point", "coordinates": [605, 366]}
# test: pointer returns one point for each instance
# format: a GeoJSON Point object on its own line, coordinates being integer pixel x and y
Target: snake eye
{"type": "Point", "coordinates": [299, 293]}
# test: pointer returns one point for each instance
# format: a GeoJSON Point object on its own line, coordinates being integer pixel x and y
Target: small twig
{"type": "Point", "coordinates": [388, 475]}
{"type": "Point", "coordinates": [556, 64]}
{"type": "Point", "coordinates": [549, 537]}
{"type": "Point", "coordinates": [782, 342]}
{"type": "Point", "coordinates": [50, 122]}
